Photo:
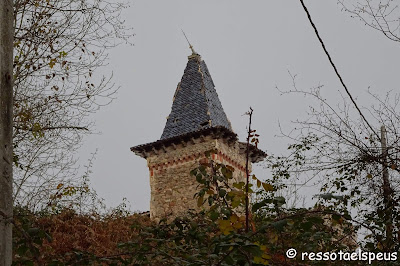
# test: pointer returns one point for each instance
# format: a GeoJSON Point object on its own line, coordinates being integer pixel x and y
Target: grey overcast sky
{"type": "Point", "coordinates": [249, 47]}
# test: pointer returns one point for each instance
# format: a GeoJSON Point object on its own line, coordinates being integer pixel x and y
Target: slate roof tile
{"type": "Point", "coordinates": [196, 104]}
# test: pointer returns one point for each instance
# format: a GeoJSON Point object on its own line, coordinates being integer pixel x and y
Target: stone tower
{"type": "Point", "coordinates": [197, 123]}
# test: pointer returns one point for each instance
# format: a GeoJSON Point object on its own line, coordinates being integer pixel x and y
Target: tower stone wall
{"type": "Point", "coordinates": [172, 186]}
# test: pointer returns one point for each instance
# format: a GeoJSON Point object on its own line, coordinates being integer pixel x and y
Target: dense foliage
{"type": "Point", "coordinates": [214, 236]}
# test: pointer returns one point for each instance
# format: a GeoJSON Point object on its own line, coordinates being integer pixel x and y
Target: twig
{"type": "Point", "coordinates": [52, 128]}
{"type": "Point", "coordinates": [250, 113]}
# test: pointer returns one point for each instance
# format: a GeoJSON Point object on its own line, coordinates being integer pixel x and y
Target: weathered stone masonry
{"type": "Point", "coordinates": [172, 188]}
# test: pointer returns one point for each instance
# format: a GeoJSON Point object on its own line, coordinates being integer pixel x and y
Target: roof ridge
{"type": "Point", "coordinates": [204, 92]}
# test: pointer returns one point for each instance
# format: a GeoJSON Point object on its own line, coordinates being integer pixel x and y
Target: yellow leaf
{"type": "Point", "coordinates": [200, 201]}
{"type": "Point", "coordinates": [258, 260]}
{"type": "Point", "coordinates": [266, 256]}
{"type": "Point", "coordinates": [267, 187]}
{"type": "Point", "coordinates": [235, 203]}
{"type": "Point", "coordinates": [273, 238]}
{"type": "Point", "coordinates": [223, 224]}
{"type": "Point", "coordinates": [262, 260]}
{"type": "Point", "coordinates": [52, 62]}
{"type": "Point", "coordinates": [237, 225]}
{"type": "Point", "coordinates": [234, 218]}
{"type": "Point", "coordinates": [210, 192]}
{"type": "Point", "coordinates": [258, 183]}
{"type": "Point", "coordinates": [230, 168]}
{"type": "Point", "coordinates": [231, 194]}
{"type": "Point", "coordinates": [369, 176]}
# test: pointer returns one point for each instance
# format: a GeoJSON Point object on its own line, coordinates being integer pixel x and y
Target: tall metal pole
{"type": "Point", "coordinates": [387, 191]}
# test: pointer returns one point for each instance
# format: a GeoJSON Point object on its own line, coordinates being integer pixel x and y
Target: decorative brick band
{"type": "Point", "coordinates": [221, 157]}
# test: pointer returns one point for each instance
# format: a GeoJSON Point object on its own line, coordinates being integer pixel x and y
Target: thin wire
{"type": "Point", "coordinates": [334, 67]}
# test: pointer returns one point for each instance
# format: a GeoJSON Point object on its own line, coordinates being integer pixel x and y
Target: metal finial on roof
{"type": "Point", "coordinates": [190, 45]}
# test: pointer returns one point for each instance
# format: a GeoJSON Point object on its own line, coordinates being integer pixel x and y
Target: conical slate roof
{"type": "Point", "coordinates": [195, 104]}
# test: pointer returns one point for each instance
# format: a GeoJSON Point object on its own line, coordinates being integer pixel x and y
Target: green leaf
{"type": "Point", "coordinates": [279, 225]}
{"type": "Point", "coordinates": [326, 196]}
{"type": "Point", "coordinates": [202, 169]}
{"type": "Point", "coordinates": [223, 171]}
{"type": "Point", "coordinates": [229, 260]}
{"type": "Point", "coordinates": [33, 231]}
{"type": "Point", "coordinates": [306, 226]}
{"type": "Point", "coordinates": [279, 201]}
{"type": "Point", "coordinates": [239, 185]}
{"type": "Point", "coordinates": [210, 200]}
{"type": "Point", "coordinates": [229, 174]}
{"type": "Point", "coordinates": [258, 205]}
{"type": "Point", "coordinates": [347, 216]}
{"type": "Point", "coordinates": [252, 249]}
{"type": "Point", "coordinates": [21, 250]}
{"type": "Point", "coordinates": [199, 178]}
{"type": "Point", "coordinates": [214, 215]}
{"type": "Point", "coordinates": [193, 172]}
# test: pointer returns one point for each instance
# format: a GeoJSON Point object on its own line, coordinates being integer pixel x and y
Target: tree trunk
{"type": "Point", "coordinates": [6, 115]}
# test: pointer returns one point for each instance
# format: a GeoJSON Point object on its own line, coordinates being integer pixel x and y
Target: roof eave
{"type": "Point", "coordinates": [216, 132]}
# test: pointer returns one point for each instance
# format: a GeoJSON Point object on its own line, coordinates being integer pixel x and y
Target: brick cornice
{"type": "Point", "coordinates": [219, 157]}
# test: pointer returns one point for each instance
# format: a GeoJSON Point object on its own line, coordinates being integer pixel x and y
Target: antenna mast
{"type": "Point", "coordinates": [190, 45]}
